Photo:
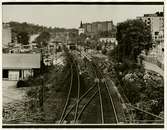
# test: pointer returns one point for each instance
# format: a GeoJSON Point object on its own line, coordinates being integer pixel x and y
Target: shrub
{"type": "Point", "coordinates": [22, 83]}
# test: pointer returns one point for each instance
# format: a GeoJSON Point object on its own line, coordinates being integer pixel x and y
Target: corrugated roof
{"type": "Point", "coordinates": [21, 61]}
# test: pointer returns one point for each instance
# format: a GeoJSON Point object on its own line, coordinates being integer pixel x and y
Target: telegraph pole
{"type": "Point", "coordinates": [41, 95]}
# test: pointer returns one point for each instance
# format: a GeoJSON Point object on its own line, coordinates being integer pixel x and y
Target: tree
{"type": "Point", "coordinates": [104, 51]}
{"type": "Point", "coordinates": [43, 38]}
{"type": "Point", "coordinates": [133, 36]}
{"type": "Point", "coordinates": [23, 38]}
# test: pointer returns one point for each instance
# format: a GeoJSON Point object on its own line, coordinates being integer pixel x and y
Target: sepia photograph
{"type": "Point", "coordinates": [68, 64]}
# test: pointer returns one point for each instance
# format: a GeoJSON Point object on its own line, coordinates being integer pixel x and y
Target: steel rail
{"type": "Point", "coordinates": [100, 98]}
{"type": "Point", "coordinates": [83, 108]}
{"type": "Point", "coordinates": [101, 104]}
{"type": "Point", "coordinates": [124, 95]}
{"type": "Point", "coordinates": [146, 112]}
{"type": "Point", "coordinates": [78, 94]}
{"type": "Point", "coordinates": [81, 98]}
{"type": "Point", "coordinates": [63, 116]}
{"type": "Point", "coordinates": [121, 99]}
{"type": "Point", "coordinates": [111, 100]}
{"type": "Point", "coordinates": [68, 97]}
{"type": "Point", "coordinates": [99, 93]}
{"type": "Point", "coordinates": [118, 93]}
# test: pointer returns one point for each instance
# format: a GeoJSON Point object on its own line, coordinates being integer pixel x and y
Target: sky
{"type": "Point", "coordinates": [70, 16]}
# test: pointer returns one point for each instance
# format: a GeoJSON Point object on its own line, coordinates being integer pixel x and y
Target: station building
{"type": "Point", "coordinates": [19, 66]}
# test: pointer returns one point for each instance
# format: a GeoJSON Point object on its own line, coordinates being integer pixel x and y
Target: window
{"type": "Point", "coordinates": [13, 75]}
{"type": "Point", "coordinates": [5, 73]}
{"type": "Point", "coordinates": [26, 47]}
{"type": "Point", "coordinates": [156, 33]}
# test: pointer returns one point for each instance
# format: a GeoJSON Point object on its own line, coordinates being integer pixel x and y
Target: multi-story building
{"type": "Point", "coordinates": [97, 27]}
{"type": "Point", "coordinates": [156, 24]}
{"type": "Point", "coordinates": [88, 27]}
{"type": "Point", "coordinates": [94, 27]}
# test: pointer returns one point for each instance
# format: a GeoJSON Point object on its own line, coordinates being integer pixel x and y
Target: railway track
{"type": "Point", "coordinates": [107, 107]}
{"type": "Point", "coordinates": [75, 102]}
{"type": "Point", "coordinates": [110, 100]}
{"type": "Point", "coordinates": [77, 106]}
{"type": "Point", "coordinates": [111, 106]}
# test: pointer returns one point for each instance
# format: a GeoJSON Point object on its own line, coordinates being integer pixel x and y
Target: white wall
{"type": "Point", "coordinates": [157, 24]}
{"type": "Point", "coordinates": [15, 74]}
{"type": "Point", "coordinates": [6, 36]}
{"type": "Point", "coordinates": [81, 30]}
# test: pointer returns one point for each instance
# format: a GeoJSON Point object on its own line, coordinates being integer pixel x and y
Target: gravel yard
{"type": "Point", "coordinates": [11, 93]}
{"type": "Point", "coordinates": [13, 102]}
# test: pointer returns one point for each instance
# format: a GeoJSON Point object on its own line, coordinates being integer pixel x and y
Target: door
{"type": "Point", "coordinates": [14, 75]}
{"type": "Point", "coordinates": [5, 74]}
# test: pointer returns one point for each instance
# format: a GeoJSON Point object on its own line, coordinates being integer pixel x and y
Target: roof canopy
{"type": "Point", "coordinates": [20, 61]}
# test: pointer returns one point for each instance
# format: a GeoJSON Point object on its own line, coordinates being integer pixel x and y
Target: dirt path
{"type": "Point", "coordinates": [150, 66]}
{"type": "Point", "coordinates": [11, 93]}
{"type": "Point", "coordinates": [13, 102]}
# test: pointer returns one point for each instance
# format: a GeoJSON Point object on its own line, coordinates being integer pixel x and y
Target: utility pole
{"type": "Point", "coordinates": [41, 95]}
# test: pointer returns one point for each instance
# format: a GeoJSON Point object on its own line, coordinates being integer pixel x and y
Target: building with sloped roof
{"type": "Point", "coordinates": [19, 66]}
{"type": "Point", "coordinates": [81, 29]}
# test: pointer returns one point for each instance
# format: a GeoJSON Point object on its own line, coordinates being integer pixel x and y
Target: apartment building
{"type": "Point", "coordinates": [99, 26]}
{"type": "Point", "coordinates": [156, 24]}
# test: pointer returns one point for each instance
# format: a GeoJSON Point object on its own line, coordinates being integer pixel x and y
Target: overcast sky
{"type": "Point", "coordinates": [69, 16]}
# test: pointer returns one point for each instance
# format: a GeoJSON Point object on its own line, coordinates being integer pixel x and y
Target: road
{"type": "Point", "coordinates": [152, 67]}
{"type": "Point", "coordinates": [12, 94]}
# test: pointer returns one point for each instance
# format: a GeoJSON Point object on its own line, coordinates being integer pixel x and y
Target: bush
{"type": "Point", "coordinates": [22, 83]}
{"type": "Point", "coordinates": [104, 51]}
